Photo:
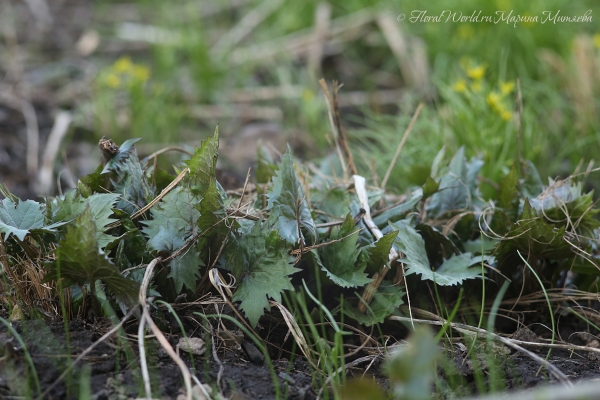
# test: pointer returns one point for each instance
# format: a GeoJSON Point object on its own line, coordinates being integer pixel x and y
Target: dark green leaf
{"type": "Point", "coordinates": [185, 269]}
{"type": "Point", "coordinates": [202, 164]}
{"type": "Point", "coordinates": [430, 187]}
{"type": "Point", "coordinates": [437, 245]}
{"type": "Point", "coordinates": [398, 212]}
{"type": "Point", "coordinates": [125, 151]}
{"type": "Point", "coordinates": [79, 259]}
{"type": "Point", "coordinates": [339, 259]}
{"type": "Point", "coordinates": [386, 300]}
{"type": "Point", "coordinates": [167, 239]}
{"type": "Point", "coordinates": [451, 272]}
{"type": "Point", "coordinates": [563, 204]}
{"type": "Point", "coordinates": [460, 267]}
{"type": "Point", "coordinates": [261, 264]}
{"type": "Point", "coordinates": [377, 254]}
{"type": "Point", "coordinates": [532, 236]}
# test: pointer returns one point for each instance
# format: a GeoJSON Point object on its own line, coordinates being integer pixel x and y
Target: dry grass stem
{"type": "Point", "coordinates": [400, 146]}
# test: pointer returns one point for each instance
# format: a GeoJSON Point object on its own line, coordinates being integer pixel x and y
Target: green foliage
{"type": "Point", "coordinates": [128, 178]}
{"type": "Point", "coordinates": [385, 302]}
{"type": "Point", "coordinates": [458, 186]}
{"type": "Point", "coordinates": [440, 238]}
{"type": "Point", "coordinates": [20, 218]}
{"type": "Point", "coordinates": [202, 165]}
{"type": "Point", "coordinates": [177, 208]}
{"type": "Point", "coordinates": [260, 262]}
{"type": "Point", "coordinates": [452, 271]}
{"type": "Point", "coordinates": [100, 204]}
{"type": "Point", "coordinates": [340, 260]}
{"type": "Point", "coordinates": [563, 203]}
{"type": "Point", "coordinates": [377, 253]}
{"type": "Point", "coordinates": [288, 205]}
{"type": "Point", "coordinates": [533, 236]}
{"type": "Point", "coordinates": [79, 260]}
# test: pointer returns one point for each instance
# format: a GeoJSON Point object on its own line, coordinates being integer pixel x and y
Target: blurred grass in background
{"type": "Point", "coordinates": [170, 71]}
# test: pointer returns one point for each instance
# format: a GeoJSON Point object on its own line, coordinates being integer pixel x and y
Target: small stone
{"type": "Point", "coordinates": [196, 346]}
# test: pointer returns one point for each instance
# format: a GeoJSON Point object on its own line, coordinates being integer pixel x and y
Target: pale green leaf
{"type": "Point", "coordinates": [18, 219]}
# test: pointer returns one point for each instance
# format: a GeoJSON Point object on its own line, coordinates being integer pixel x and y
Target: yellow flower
{"type": "Point", "coordinates": [476, 73]}
{"type": "Point", "coordinates": [140, 73]}
{"type": "Point", "coordinates": [307, 95]}
{"type": "Point", "coordinates": [507, 88]}
{"type": "Point", "coordinates": [493, 100]}
{"type": "Point", "coordinates": [112, 80]}
{"type": "Point", "coordinates": [460, 86]}
{"type": "Point", "coordinates": [597, 40]}
{"type": "Point", "coordinates": [123, 64]}
{"type": "Point", "coordinates": [506, 115]}
{"type": "Point", "coordinates": [476, 86]}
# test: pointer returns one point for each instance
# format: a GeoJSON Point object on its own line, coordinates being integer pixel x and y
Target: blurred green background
{"type": "Point", "coordinates": [170, 71]}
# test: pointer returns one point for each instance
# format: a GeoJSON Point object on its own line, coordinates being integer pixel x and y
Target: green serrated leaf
{"type": "Point", "coordinates": [177, 208]}
{"type": "Point", "coordinates": [100, 204]}
{"type": "Point", "coordinates": [260, 262]}
{"type": "Point", "coordinates": [377, 253]}
{"type": "Point", "coordinates": [167, 239]}
{"type": "Point", "coordinates": [563, 203]}
{"type": "Point", "coordinates": [437, 245]}
{"type": "Point", "coordinates": [79, 259]}
{"type": "Point", "coordinates": [340, 259]}
{"type": "Point", "coordinates": [451, 272]}
{"type": "Point", "coordinates": [533, 236]}
{"type": "Point", "coordinates": [185, 270]}
{"type": "Point", "coordinates": [386, 300]}
{"type": "Point", "coordinates": [202, 164]}
{"type": "Point", "coordinates": [21, 217]}
{"type": "Point", "coordinates": [460, 267]}
{"type": "Point", "coordinates": [287, 203]}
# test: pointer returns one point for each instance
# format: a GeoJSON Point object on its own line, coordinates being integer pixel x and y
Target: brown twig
{"type": "Point", "coordinates": [340, 129]}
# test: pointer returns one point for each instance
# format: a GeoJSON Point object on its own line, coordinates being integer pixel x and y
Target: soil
{"type": "Point", "coordinates": [110, 373]}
